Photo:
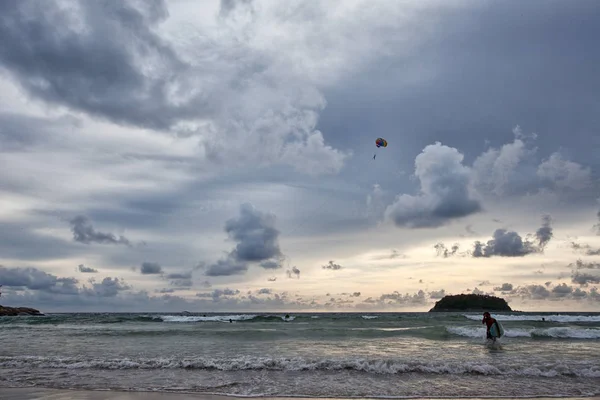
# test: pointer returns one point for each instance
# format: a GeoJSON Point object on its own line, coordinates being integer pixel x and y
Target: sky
{"type": "Point", "coordinates": [219, 155]}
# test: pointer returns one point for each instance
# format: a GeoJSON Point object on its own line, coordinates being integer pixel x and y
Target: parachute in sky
{"type": "Point", "coordinates": [380, 142]}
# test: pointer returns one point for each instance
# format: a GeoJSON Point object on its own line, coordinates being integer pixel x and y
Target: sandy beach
{"type": "Point", "coordinates": [56, 394]}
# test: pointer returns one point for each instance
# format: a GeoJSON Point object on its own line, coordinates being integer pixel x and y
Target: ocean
{"type": "Point", "coordinates": [376, 355]}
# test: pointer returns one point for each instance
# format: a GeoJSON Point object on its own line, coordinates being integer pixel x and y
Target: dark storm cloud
{"type": "Point", "coordinates": [88, 270]}
{"type": "Point", "coordinates": [150, 268]}
{"type": "Point", "coordinates": [332, 266]}
{"type": "Point", "coordinates": [255, 233]}
{"type": "Point", "coordinates": [510, 244]}
{"type": "Point", "coordinates": [84, 232]}
{"type": "Point", "coordinates": [257, 242]}
{"type": "Point", "coordinates": [100, 69]}
{"type": "Point", "coordinates": [504, 244]}
{"type": "Point", "coordinates": [544, 233]}
{"type": "Point", "coordinates": [445, 192]}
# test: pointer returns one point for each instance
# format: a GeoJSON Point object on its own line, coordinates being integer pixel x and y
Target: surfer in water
{"type": "Point", "coordinates": [489, 321]}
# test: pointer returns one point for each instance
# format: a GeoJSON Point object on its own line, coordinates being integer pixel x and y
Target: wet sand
{"type": "Point", "coordinates": [55, 394]}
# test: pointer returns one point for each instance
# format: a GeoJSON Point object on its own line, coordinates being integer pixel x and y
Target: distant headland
{"type": "Point", "coordinates": [15, 311]}
{"type": "Point", "coordinates": [470, 302]}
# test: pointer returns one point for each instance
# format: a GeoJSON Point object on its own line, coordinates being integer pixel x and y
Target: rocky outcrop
{"type": "Point", "coordinates": [470, 302]}
{"type": "Point", "coordinates": [14, 311]}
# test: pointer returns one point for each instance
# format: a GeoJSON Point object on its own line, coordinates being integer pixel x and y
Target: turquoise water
{"type": "Point", "coordinates": [312, 354]}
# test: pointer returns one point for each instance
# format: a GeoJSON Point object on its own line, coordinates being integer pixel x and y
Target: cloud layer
{"type": "Point", "coordinates": [182, 154]}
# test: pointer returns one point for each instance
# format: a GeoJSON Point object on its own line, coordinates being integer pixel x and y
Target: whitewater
{"type": "Point", "coordinates": [327, 355]}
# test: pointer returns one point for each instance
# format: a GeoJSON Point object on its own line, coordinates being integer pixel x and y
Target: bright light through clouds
{"type": "Point", "coordinates": [219, 155]}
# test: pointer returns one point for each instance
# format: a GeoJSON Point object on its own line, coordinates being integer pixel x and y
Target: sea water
{"type": "Point", "coordinates": [309, 354]}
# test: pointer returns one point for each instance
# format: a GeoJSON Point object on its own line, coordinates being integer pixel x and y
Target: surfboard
{"type": "Point", "coordinates": [495, 332]}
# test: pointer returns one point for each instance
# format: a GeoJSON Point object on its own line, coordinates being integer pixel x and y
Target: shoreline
{"type": "Point", "coordinates": [39, 393]}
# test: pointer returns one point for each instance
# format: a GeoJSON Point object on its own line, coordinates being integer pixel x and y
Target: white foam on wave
{"type": "Point", "coordinates": [548, 318]}
{"type": "Point", "coordinates": [212, 318]}
{"type": "Point", "coordinates": [373, 366]}
{"type": "Point", "coordinates": [555, 332]}
{"type": "Point", "coordinates": [370, 316]}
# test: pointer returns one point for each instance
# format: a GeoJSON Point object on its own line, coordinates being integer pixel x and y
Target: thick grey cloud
{"type": "Point", "coordinates": [437, 294]}
{"type": "Point", "coordinates": [180, 280]}
{"type": "Point", "coordinates": [583, 273]}
{"type": "Point", "coordinates": [84, 232]}
{"type": "Point", "coordinates": [100, 69]}
{"type": "Point", "coordinates": [505, 244]}
{"type": "Point", "coordinates": [332, 266]}
{"type": "Point", "coordinates": [108, 287]}
{"type": "Point", "coordinates": [270, 264]}
{"type": "Point", "coordinates": [88, 270]}
{"type": "Point", "coordinates": [559, 292]}
{"type": "Point", "coordinates": [226, 267]}
{"type": "Point", "coordinates": [257, 242]}
{"type": "Point", "coordinates": [255, 233]}
{"type": "Point", "coordinates": [562, 290]}
{"type": "Point", "coordinates": [150, 268]}
{"type": "Point", "coordinates": [185, 275]}
{"type": "Point", "coordinates": [506, 287]}
{"type": "Point", "coordinates": [34, 279]}
{"type": "Point", "coordinates": [510, 244]}
{"type": "Point", "coordinates": [445, 192]}
{"type": "Point", "coordinates": [584, 278]}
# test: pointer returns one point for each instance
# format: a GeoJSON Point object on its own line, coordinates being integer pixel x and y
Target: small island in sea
{"type": "Point", "coordinates": [15, 311]}
{"type": "Point", "coordinates": [470, 302]}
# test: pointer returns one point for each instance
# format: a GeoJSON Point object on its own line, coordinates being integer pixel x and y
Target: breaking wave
{"type": "Point", "coordinates": [549, 318]}
{"type": "Point", "coordinates": [301, 364]}
{"type": "Point", "coordinates": [554, 332]}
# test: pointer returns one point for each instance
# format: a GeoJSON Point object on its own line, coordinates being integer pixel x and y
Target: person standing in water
{"type": "Point", "coordinates": [489, 321]}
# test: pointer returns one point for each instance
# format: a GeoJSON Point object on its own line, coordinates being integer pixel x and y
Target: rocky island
{"type": "Point", "coordinates": [15, 311]}
{"type": "Point", "coordinates": [470, 303]}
